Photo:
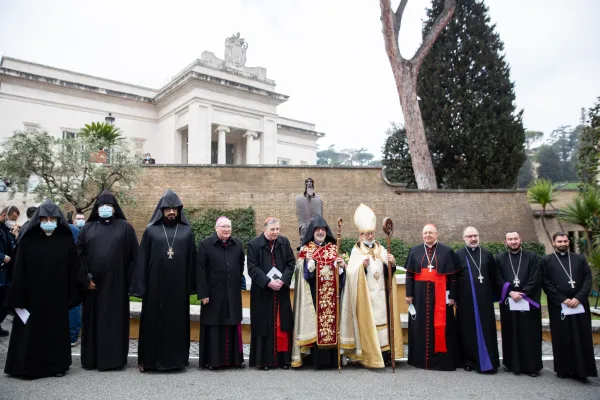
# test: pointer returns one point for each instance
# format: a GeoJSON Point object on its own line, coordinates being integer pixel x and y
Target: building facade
{"type": "Point", "coordinates": [215, 111]}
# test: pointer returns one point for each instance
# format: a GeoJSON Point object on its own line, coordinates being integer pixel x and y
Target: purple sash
{"type": "Point", "coordinates": [485, 364]}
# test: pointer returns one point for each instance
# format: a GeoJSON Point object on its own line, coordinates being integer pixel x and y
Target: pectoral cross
{"type": "Point", "coordinates": [170, 253]}
{"type": "Point", "coordinates": [572, 282]}
{"type": "Point", "coordinates": [430, 267]}
{"type": "Point", "coordinates": [516, 282]}
{"type": "Point", "coordinates": [480, 277]}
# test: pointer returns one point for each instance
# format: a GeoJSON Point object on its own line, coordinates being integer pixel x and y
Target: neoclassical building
{"type": "Point", "coordinates": [215, 111]}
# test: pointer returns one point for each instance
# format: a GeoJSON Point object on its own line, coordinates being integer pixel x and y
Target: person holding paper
{"type": "Point", "coordinates": [567, 281]}
{"type": "Point", "coordinates": [520, 308]}
{"type": "Point", "coordinates": [431, 270]}
{"type": "Point", "coordinates": [219, 275]}
{"type": "Point", "coordinates": [316, 298]}
{"type": "Point", "coordinates": [44, 286]}
{"type": "Point", "coordinates": [478, 281]}
{"type": "Point", "coordinates": [271, 265]}
{"type": "Point", "coordinates": [164, 278]}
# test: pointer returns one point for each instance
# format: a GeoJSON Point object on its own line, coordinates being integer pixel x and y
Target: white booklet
{"type": "Point", "coordinates": [566, 310]}
{"type": "Point", "coordinates": [447, 296]}
{"type": "Point", "coordinates": [521, 305]}
{"type": "Point", "coordinates": [23, 314]}
{"type": "Point", "coordinates": [274, 274]}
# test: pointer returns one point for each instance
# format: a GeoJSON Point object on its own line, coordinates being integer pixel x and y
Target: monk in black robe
{"type": "Point", "coordinates": [107, 249]}
{"type": "Point", "coordinates": [521, 330]}
{"type": "Point", "coordinates": [430, 273]}
{"type": "Point", "coordinates": [45, 284]}
{"type": "Point", "coordinates": [271, 266]}
{"type": "Point", "coordinates": [220, 270]}
{"type": "Point", "coordinates": [164, 278]}
{"type": "Point", "coordinates": [478, 281]}
{"type": "Point", "coordinates": [567, 281]}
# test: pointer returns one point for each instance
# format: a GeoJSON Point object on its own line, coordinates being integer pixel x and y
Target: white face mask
{"type": "Point", "coordinates": [369, 242]}
{"type": "Point", "coordinates": [10, 224]}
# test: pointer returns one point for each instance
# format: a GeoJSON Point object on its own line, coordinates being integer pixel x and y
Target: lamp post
{"type": "Point", "coordinates": [110, 119]}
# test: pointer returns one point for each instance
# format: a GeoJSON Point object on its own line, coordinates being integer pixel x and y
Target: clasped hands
{"type": "Point", "coordinates": [390, 260]}
{"type": "Point", "coordinates": [571, 303]}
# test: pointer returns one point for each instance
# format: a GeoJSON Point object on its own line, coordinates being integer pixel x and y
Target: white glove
{"type": "Point", "coordinates": [311, 265]}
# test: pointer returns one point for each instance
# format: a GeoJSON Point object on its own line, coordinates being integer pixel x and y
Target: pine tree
{"type": "Point", "coordinates": [468, 103]}
{"type": "Point", "coordinates": [589, 150]}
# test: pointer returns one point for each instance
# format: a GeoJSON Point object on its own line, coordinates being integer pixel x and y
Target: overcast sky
{"type": "Point", "coordinates": [327, 55]}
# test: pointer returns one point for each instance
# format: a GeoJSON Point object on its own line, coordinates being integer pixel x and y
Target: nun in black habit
{"type": "Point", "coordinates": [45, 285]}
{"type": "Point", "coordinates": [164, 278]}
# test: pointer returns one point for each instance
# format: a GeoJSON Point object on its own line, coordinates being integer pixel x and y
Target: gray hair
{"type": "Point", "coordinates": [467, 228]}
{"type": "Point", "coordinates": [270, 221]}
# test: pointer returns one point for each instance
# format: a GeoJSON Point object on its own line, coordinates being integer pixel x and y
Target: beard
{"type": "Point", "coordinates": [562, 249]}
{"type": "Point", "coordinates": [170, 219]}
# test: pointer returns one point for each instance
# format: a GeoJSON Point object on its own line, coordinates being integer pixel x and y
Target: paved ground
{"type": "Point", "coordinates": [353, 383]}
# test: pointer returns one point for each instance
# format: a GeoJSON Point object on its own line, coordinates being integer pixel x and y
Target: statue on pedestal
{"type": "Point", "coordinates": [235, 51]}
{"type": "Point", "coordinates": [308, 205]}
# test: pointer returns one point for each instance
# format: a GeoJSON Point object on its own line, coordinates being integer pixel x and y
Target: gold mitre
{"type": "Point", "coordinates": [364, 219]}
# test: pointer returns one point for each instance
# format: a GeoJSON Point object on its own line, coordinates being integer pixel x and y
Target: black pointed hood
{"type": "Point", "coordinates": [47, 209]}
{"type": "Point", "coordinates": [106, 197]}
{"type": "Point", "coordinates": [316, 222]}
{"type": "Point", "coordinates": [170, 200]}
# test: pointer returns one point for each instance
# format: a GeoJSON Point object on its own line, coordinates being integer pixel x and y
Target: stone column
{"type": "Point", "coordinates": [221, 156]}
{"type": "Point", "coordinates": [199, 133]}
{"type": "Point", "coordinates": [250, 147]}
{"type": "Point", "coordinates": [268, 142]}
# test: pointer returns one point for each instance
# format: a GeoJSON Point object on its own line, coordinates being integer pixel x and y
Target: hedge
{"type": "Point", "coordinates": [203, 222]}
{"type": "Point", "coordinates": [400, 249]}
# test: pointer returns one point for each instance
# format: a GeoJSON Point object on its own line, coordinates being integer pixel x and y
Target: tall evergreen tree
{"type": "Point", "coordinates": [468, 102]}
{"type": "Point", "coordinates": [396, 157]}
{"type": "Point", "coordinates": [589, 149]}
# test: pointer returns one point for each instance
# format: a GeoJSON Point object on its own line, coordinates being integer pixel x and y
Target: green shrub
{"type": "Point", "coordinates": [203, 222]}
{"type": "Point", "coordinates": [400, 249]}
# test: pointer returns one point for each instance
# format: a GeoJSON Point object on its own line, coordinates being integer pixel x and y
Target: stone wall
{"type": "Point", "coordinates": [271, 191]}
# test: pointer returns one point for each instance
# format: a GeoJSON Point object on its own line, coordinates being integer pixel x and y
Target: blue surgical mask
{"type": "Point", "coordinates": [48, 226]}
{"type": "Point", "coordinates": [105, 211]}
{"type": "Point", "coordinates": [79, 223]}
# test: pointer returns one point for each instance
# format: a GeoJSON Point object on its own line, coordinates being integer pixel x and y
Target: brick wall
{"type": "Point", "coordinates": [271, 191]}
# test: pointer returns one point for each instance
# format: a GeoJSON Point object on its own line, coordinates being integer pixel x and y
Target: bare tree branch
{"type": "Point", "coordinates": [438, 26]}
{"type": "Point", "coordinates": [390, 39]}
{"type": "Point", "coordinates": [398, 18]}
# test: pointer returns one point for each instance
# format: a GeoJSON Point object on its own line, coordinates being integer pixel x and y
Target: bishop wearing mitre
{"type": "Point", "coordinates": [364, 325]}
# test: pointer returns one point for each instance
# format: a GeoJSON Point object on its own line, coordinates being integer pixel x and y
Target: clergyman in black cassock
{"type": "Point", "coordinates": [45, 284]}
{"type": "Point", "coordinates": [430, 273]}
{"type": "Point", "coordinates": [567, 281]}
{"type": "Point", "coordinates": [107, 248]}
{"type": "Point", "coordinates": [164, 278]}
{"type": "Point", "coordinates": [478, 281]}
{"type": "Point", "coordinates": [272, 319]}
{"type": "Point", "coordinates": [219, 276]}
{"type": "Point", "coordinates": [521, 330]}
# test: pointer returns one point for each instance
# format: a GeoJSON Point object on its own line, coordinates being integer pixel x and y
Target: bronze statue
{"type": "Point", "coordinates": [308, 205]}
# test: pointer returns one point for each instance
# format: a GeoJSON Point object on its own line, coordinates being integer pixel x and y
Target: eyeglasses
{"type": "Point", "coordinates": [471, 236]}
{"type": "Point", "coordinates": [224, 226]}
{"type": "Point", "coordinates": [170, 208]}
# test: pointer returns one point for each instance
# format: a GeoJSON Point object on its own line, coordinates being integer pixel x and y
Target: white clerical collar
{"type": "Point", "coordinates": [515, 252]}
{"type": "Point", "coordinates": [473, 248]}
{"type": "Point", "coordinates": [431, 247]}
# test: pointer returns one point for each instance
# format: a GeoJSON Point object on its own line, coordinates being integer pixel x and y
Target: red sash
{"type": "Point", "coordinates": [439, 308]}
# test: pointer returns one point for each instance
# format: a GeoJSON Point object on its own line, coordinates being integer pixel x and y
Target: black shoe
{"type": "Point", "coordinates": [242, 365]}
{"type": "Point", "coordinates": [534, 374]}
{"type": "Point", "coordinates": [285, 367]}
{"type": "Point", "coordinates": [4, 332]}
{"type": "Point", "coordinates": [506, 369]}
{"type": "Point", "coordinates": [580, 379]}
{"type": "Point", "coordinates": [468, 368]}
{"type": "Point", "coordinates": [265, 368]}
{"type": "Point", "coordinates": [561, 376]}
